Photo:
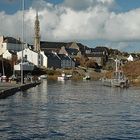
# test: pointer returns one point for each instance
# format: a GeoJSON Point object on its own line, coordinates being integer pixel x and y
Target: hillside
{"type": "Point", "coordinates": [132, 71]}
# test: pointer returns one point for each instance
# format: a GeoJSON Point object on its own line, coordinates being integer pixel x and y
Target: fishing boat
{"type": "Point", "coordinates": [25, 66]}
{"type": "Point", "coordinates": [118, 79]}
{"type": "Point", "coordinates": [64, 77]}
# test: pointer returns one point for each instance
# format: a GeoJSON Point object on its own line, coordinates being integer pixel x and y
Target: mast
{"type": "Point", "coordinates": [117, 64]}
{"type": "Point", "coordinates": [22, 75]}
{"type": "Point", "coordinates": [3, 72]}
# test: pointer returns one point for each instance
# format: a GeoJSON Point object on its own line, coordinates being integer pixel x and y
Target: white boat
{"type": "Point", "coordinates": [87, 77]}
{"type": "Point", "coordinates": [64, 77]}
{"type": "Point", "coordinates": [26, 66]}
{"type": "Point", "coordinates": [118, 79]}
{"type": "Point", "coordinates": [3, 78]}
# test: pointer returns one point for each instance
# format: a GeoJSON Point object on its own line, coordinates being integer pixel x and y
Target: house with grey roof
{"type": "Point", "coordinates": [59, 60]}
{"type": "Point", "coordinates": [66, 61]}
{"type": "Point", "coordinates": [72, 47]}
{"type": "Point", "coordinates": [98, 54]}
{"type": "Point", "coordinates": [72, 52]}
{"type": "Point", "coordinates": [9, 43]}
{"type": "Point", "coordinates": [48, 47]}
{"type": "Point", "coordinates": [53, 60]}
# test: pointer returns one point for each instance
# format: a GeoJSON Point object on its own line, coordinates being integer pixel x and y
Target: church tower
{"type": "Point", "coordinates": [37, 34]}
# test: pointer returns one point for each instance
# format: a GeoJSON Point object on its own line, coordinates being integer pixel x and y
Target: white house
{"type": "Point", "coordinates": [9, 43]}
{"type": "Point", "coordinates": [31, 56]}
{"type": "Point", "coordinates": [130, 58]}
{"type": "Point", "coordinates": [45, 59]}
{"type": "Point", "coordinates": [7, 55]}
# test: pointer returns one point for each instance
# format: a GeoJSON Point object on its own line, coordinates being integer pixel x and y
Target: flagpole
{"type": "Point", "coordinates": [22, 74]}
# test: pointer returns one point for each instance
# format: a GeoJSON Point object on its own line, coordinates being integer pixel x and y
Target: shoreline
{"type": "Point", "coordinates": [6, 89]}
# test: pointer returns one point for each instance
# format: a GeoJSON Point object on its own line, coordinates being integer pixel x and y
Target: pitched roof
{"type": "Point", "coordinates": [12, 52]}
{"type": "Point", "coordinates": [63, 57]}
{"type": "Point", "coordinates": [82, 47]}
{"type": "Point", "coordinates": [71, 51]}
{"type": "Point", "coordinates": [100, 48]}
{"type": "Point", "coordinates": [52, 56]}
{"type": "Point", "coordinates": [44, 44]}
{"type": "Point", "coordinates": [11, 40]}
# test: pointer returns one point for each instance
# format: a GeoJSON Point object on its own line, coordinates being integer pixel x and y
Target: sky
{"type": "Point", "coordinates": [111, 23]}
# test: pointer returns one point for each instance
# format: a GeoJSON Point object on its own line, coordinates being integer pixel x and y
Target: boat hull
{"type": "Point", "coordinates": [25, 67]}
{"type": "Point", "coordinates": [115, 83]}
{"type": "Point", "coordinates": [61, 78]}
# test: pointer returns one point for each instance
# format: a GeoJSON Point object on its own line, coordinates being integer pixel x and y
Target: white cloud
{"type": "Point", "coordinates": [75, 20]}
{"type": "Point", "coordinates": [84, 4]}
{"type": "Point", "coordinates": [123, 26]}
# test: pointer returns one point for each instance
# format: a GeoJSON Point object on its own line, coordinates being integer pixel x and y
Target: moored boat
{"type": "Point", "coordinates": [26, 66]}
{"type": "Point", "coordinates": [118, 79]}
{"type": "Point", "coordinates": [87, 77]}
{"type": "Point", "coordinates": [64, 77]}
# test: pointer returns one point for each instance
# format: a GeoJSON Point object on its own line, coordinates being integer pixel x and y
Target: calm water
{"type": "Point", "coordinates": [82, 110]}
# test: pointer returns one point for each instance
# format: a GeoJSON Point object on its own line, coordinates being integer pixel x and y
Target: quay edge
{"type": "Point", "coordinates": [12, 90]}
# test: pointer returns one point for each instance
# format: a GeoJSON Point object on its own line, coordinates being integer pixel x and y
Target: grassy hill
{"type": "Point", "coordinates": [132, 71]}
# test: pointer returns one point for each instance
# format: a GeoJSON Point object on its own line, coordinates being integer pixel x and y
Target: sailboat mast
{"type": "Point", "coordinates": [22, 75]}
{"type": "Point", "coordinates": [3, 72]}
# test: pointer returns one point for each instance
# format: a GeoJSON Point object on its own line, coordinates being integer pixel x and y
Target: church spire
{"type": "Point", "coordinates": [37, 34]}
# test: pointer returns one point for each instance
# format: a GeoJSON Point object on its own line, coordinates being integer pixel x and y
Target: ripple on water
{"type": "Point", "coordinates": [71, 111]}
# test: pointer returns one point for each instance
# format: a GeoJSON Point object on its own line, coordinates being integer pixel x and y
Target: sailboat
{"type": "Point", "coordinates": [23, 66]}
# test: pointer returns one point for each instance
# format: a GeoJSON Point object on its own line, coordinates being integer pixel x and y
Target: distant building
{"type": "Point", "coordinates": [80, 47]}
{"type": "Point", "coordinates": [68, 51]}
{"type": "Point", "coordinates": [45, 59]}
{"type": "Point", "coordinates": [10, 44]}
{"type": "Point", "coordinates": [48, 47]}
{"type": "Point", "coordinates": [10, 55]}
{"type": "Point", "coordinates": [53, 60]}
{"type": "Point", "coordinates": [59, 61]}
{"type": "Point", "coordinates": [130, 58]}
{"type": "Point", "coordinates": [98, 54]}
{"type": "Point", "coordinates": [31, 56]}
{"type": "Point", "coordinates": [66, 61]}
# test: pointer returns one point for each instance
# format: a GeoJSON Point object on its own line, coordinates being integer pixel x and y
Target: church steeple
{"type": "Point", "coordinates": [37, 34]}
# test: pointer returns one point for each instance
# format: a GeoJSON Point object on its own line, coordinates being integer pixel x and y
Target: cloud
{"type": "Point", "coordinates": [74, 20]}
{"type": "Point", "coordinates": [84, 4]}
{"type": "Point", "coordinates": [123, 26]}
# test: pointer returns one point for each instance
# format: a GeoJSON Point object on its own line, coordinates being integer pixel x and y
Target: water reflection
{"type": "Point", "coordinates": [71, 110]}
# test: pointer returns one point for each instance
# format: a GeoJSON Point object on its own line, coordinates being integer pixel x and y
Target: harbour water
{"type": "Point", "coordinates": [70, 110]}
